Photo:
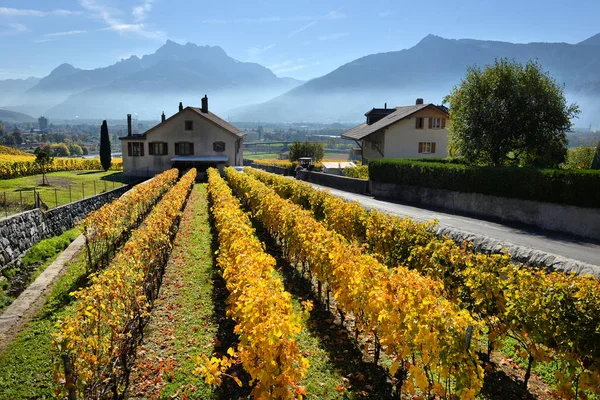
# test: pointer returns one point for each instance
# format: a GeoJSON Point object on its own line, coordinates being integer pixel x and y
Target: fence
{"type": "Point", "coordinates": [17, 200]}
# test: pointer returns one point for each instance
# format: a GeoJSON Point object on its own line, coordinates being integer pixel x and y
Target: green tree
{"type": "Point", "coordinates": [43, 159]}
{"type": "Point", "coordinates": [306, 149]}
{"type": "Point", "coordinates": [105, 158]}
{"type": "Point", "coordinates": [596, 160]}
{"type": "Point", "coordinates": [510, 114]}
{"type": "Point", "coordinates": [579, 158]}
{"type": "Point", "coordinates": [75, 149]}
{"type": "Point", "coordinates": [58, 150]}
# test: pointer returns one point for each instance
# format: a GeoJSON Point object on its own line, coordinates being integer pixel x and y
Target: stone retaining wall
{"type": "Point", "coordinates": [353, 185]}
{"type": "Point", "coordinates": [577, 221]}
{"type": "Point", "coordinates": [19, 232]}
{"type": "Point", "coordinates": [272, 169]}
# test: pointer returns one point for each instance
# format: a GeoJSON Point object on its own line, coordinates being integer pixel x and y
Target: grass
{"type": "Point", "coordinates": [61, 181]}
{"type": "Point", "coordinates": [33, 264]}
{"type": "Point", "coordinates": [26, 366]}
{"type": "Point", "coordinates": [186, 319]}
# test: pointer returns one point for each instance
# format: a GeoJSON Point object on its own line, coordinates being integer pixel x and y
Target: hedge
{"type": "Point", "coordinates": [573, 187]}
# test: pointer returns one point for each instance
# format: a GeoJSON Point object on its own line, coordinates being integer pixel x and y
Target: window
{"type": "Point", "coordinates": [135, 149]}
{"type": "Point", "coordinates": [419, 123]}
{"type": "Point", "coordinates": [189, 126]}
{"type": "Point", "coordinates": [184, 149]}
{"type": "Point", "coordinates": [436, 123]}
{"type": "Point", "coordinates": [219, 147]}
{"type": "Point", "coordinates": [426, 147]}
{"type": "Point", "coordinates": [157, 149]}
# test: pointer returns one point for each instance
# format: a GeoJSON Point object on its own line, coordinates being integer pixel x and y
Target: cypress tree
{"type": "Point", "coordinates": [105, 159]}
{"type": "Point", "coordinates": [596, 160]}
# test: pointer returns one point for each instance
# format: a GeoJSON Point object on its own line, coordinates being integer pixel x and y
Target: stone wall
{"type": "Point", "coordinates": [273, 169]}
{"type": "Point", "coordinates": [19, 232]}
{"type": "Point", "coordinates": [353, 185]}
{"type": "Point", "coordinates": [577, 221]}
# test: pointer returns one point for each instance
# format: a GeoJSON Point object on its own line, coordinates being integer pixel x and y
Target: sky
{"type": "Point", "coordinates": [300, 39]}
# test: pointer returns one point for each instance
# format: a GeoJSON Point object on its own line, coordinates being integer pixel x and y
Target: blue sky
{"type": "Point", "coordinates": [302, 39]}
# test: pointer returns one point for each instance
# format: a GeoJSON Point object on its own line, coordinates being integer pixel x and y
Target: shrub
{"type": "Point", "coordinates": [574, 187]}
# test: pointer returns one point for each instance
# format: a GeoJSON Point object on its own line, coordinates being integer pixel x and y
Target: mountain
{"type": "Point", "coordinates": [13, 89]}
{"type": "Point", "coordinates": [7, 116]}
{"type": "Point", "coordinates": [146, 85]}
{"type": "Point", "coordinates": [429, 70]}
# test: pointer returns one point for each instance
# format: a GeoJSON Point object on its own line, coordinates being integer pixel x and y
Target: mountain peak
{"type": "Point", "coordinates": [63, 70]}
{"type": "Point", "coordinates": [592, 41]}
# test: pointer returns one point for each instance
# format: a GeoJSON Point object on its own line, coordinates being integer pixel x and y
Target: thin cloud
{"type": "Point", "coordinates": [291, 65]}
{"type": "Point", "coordinates": [261, 20]}
{"type": "Point", "coordinates": [333, 36]}
{"type": "Point", "coordinates": [139, 13]}
{"type": "Point", "coordinates": [13, 29]}
{"type": "Point", "coordinates": [257, 51]}
{"type": "Point", "coordinates": [66, 33]}
{"type": "Point", "coordinates": [302, 29]}
{"type": "Point", "coordinates": [114, 24]}
{"type": "Point", "coordinates": [21, 12]}
{"type": "Point", "coordinates": [336, 14]}
{"type": "Point", "coordinates": [384, 14]}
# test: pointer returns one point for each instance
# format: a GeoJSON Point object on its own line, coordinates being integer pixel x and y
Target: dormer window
{"type": "Point", "coordinates": [189, 126]}
{"type": "Point", "coordinates": [419, 123]}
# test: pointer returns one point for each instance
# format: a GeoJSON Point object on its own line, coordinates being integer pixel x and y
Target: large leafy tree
{"type": "Point", "coordinates": [510, 114]}
{"type": "Point", "coordinates": [105, 158]}
{"type": "Point", "coordinates": [306, 149]}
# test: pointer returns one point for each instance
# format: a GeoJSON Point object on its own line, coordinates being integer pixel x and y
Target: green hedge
{"type": "Point", "coordinates": [574, 187]}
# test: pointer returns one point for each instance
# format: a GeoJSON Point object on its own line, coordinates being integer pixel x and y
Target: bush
{"type": "Point", "coordinates": [574, 187]}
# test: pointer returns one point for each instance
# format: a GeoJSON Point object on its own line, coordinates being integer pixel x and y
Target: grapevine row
{"type": "Point", "coordinates": [552, 315]}
{"type": "Point", "coordinates": [98, 341]}
{"type": "Point", "coordinates": [15, 166]}
{"type": "Point", "coordinates": [105, 228]}
{"type": "Point", "coordinates": [258, 303]}
{"type": "Point", "coordinates": [422, 331]}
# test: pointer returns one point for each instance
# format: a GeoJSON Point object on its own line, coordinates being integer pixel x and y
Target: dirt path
{"type": "Point", "coordinates": [29, 302]}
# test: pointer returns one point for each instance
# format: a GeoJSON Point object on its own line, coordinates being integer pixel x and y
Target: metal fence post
{"type": "Point", "coordinates": [21, 199]}
{"type": "Point", "coordinates": [70, 196]}
{"type": "Point", "coordinates": [5, 205]}
{"type": "Point", "coordinates": [55, 198]}
{"type": "Point", "coordinates": [35, 204]}
{"type": "Point", "coordinates": [94, 188]}
{"type": "Point", "coordinates": [82, 191]}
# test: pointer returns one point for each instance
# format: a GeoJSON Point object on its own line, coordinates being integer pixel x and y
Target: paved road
{"type": "Point", "coordinates": [567, 247]}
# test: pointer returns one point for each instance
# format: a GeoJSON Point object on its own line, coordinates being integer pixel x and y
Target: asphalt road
{"type": "Point", "coordinates": [565, 246]}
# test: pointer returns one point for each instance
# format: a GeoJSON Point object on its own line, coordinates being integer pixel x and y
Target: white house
{"type": "Point", "coordinates": [193, 137]}
{"type": "Point", "coordinates": [403, 132]}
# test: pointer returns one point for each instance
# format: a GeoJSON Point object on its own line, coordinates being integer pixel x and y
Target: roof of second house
{"type": "Point", "coordinates": [208, 115]}
{"type": "Point", "coordinates": [363, 130]}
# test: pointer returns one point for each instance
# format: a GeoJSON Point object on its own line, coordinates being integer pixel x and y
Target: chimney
{"type": "Point", "coordinates": [385, 106]}
{"type": "Point", "coordinates": [180, 106]}
{"type": "Point", "coordinates": [205, 104]}
{"type": "Point", "coordinates": [128, 124]}
{"type": "Point", "coordinates": [419, 101]}
{"type": "Point", "coordinates": [162, 117]}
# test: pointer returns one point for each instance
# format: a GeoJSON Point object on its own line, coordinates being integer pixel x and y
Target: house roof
{"type": "Point", "coordinates": [215, 119]}
{"type": "Point", "coordinates": [363, 130]}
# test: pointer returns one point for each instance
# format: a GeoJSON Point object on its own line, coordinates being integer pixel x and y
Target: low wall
{"type": "Point", "coordinates": [19, 232]}
{"type": "Point", "coordinates": [578, 221]}
{"type": "Point", "coordinates": [353, 185]}
{"type": "Point", "coordinates": [272, 168]}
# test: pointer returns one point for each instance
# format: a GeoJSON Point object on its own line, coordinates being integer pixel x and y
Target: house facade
{"type": "Point", "coordinates": [416, 131]}
{"type": "Point", "coordinates": [193, 137]}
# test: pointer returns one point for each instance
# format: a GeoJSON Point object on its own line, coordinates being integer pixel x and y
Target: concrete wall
{"type": "Point", "coordinates": [578, 221]}
{"type": "Point", "coordinates": [353, 185]}
{"type": "Point", "coordinates": [272, 168]}
{"type": "Point", "coordinates": [203, 135]}
{"type": "Point", "coordinates": [19, 232]}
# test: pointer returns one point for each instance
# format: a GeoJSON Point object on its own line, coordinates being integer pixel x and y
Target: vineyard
{"type": "Point", "coordinates": [15, 165]}
{"type": "Point", "coordinates": [257, 285]}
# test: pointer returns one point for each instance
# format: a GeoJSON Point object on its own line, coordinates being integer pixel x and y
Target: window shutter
{"type": "Point", "coordinates": [166, 150]}
{"type": "Point", "coordinates": [191, 148]}
{"type": "Point", "coordinates": [142, 149]}
{"type": "Point", "coordinates": [176, 149]}
{"type": "Point", "coordinates": [151, 148]}
{"type": "Point", "coordinates": [430, 122]}
{"type": "Point", "coordinates": [433, 147]}
{"type": "Point", "coordinates": [129, 150]}
{"type": "Point", "coordinates": [420, 147]}
{"type": "Point", "coordinates": [416, 123]}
